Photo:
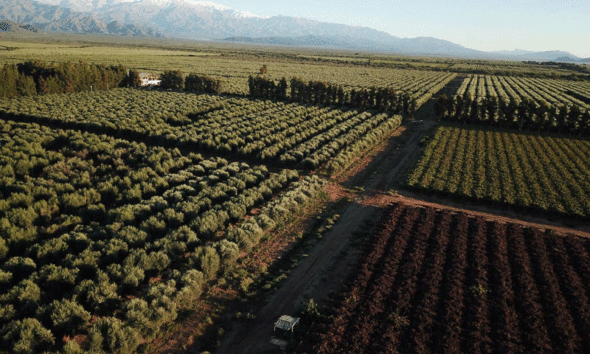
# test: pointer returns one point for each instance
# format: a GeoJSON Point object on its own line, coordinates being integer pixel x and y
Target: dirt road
{"type": "Point", "coordinates": [329, 262]}
{"type": "Point", "coordinates": [326, 265]}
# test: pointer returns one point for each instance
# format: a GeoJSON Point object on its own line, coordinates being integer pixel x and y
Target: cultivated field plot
{"type": "Point", "coordinates": [523, 169]}
{"type": "Point", "coordinates": [286, 134]}
{"type": "Point", "coordinates": [233, 69]}
{"type": "Point", "coordinates": [445, 282]}
{"type": "Point", "coordinates": [96, 227]}
{"type": "Point", "coordinates": [515, 89]}
{"type": "Point", "coordinates": [512, 68]}
{"type": "Point", "coordinates": [420, 84]}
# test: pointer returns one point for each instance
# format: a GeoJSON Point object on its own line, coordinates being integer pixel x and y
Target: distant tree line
{"type": "Point", "coordinates": [560, 65]}
{"type": "Point", "coordinates": [523, 115]}
{"type": "Point", "coordinates": [576, 73]}
{"type": "Point", "coordinates": [175, 80]}
{"type": "Point", "coordinates": [327, 94]}
{"type": "Point", "coordinates": [36, 78]}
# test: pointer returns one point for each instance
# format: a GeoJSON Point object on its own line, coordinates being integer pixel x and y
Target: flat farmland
{"type": "Point", "coordinates": [107, 240]}
{"type": "Point", "coordinates": [279, 133]}
{"type": "Point", "coordinates": [545, 173]}
{"type": "Point", "coordinates": [165, 220]}
{"type": "Point", "coordinates": [231, 67]}
{"type": "Point", "coordinates": [435, 280]}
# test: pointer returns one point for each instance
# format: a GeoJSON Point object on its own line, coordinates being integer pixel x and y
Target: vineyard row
{"type": "Point", "coordinates": [439, 281]}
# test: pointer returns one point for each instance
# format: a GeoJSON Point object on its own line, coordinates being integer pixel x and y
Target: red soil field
{"type": "Point", "coordinates": [448, 282]}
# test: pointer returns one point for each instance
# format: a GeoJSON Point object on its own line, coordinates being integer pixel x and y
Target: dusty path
{"type": "Point", "coordinates": [327, 264]}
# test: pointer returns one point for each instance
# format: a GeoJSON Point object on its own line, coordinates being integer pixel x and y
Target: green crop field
{"type": "Point", "coordinates": [93, 226]}
{"type": "Point", "coordinates": [288, 134]}
{"type": "Point", "coordinates": [125, 211]}
{"type": "Point", "coordinates": [516, 89]}
{"type": "Point", "coordinates": [521, 169]}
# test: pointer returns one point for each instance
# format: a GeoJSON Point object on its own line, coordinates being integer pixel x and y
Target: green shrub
{"type": "Point", "coordinates": [228, 252]}
{"type": "Point", "coordinates": [191, 287]}
{"type": "Point", "coordinates": [66, 316]}
{"type": "Point", "coordinates": [139, 316]}
{"type": "Point", "coordinates": [27, 336]}
{"type": "Point", "coordinates": [207, 260]}
{"type": "Point", "coordinates": [99, 295]}
{"type": "Point", "coordinates": [110, 335]}
{"type": "Point", "coordinates": [20, 267]}
{"type": "Point", "coordinates": [172, 80]}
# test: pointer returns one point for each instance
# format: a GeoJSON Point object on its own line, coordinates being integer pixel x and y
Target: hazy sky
{"type": "Point", "coordinates": [539, 25]}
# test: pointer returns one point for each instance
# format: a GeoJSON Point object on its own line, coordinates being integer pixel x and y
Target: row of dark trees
{"type": "Point", "coordinates": [264, 88]}
{"type": "Point", "coordinates": [566, 66]}
{"type": "Point", "coordinates": [327, 94]}
{"type": "Point", "coordinates": [197, 83]}
{"type": "Point", "coordinates": [33, 77]}
{"type": "Point", "coordinates": [36, 78]}
{"type": "Point", "coordinates": [175, 80]}
{"type": "Point", "coordinates": [523, 115]}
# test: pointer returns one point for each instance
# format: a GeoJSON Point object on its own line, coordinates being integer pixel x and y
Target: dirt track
{"type": "Point", "coordinates": [325, 267]}
{"type": "Point", "coordinates": [327, 264]}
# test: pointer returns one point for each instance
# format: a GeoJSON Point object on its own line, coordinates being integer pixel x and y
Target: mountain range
{"type": "Point", "coordinates": [46, 17]}
{"type": "Point", "coordinates": [206, 20]}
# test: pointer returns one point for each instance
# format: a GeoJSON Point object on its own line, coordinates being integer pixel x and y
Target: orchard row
{"type": "Point", "coordinates": [553, 92]}
{"type": "Point", "coordinates": [280, 133]}
{"type": "Point", "coordinates": [543, 173]}
{"type": "Point", "coordinates": [92, 226]}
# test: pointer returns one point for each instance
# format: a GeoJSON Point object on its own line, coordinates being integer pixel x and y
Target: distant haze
{"type": "Point", "coordinates": [540, 25]}
{"type": "Point", "coordinates": [543, 32]}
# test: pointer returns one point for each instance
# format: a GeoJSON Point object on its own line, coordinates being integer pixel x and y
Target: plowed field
{"type": "Point", "coordinates": [440, 281]}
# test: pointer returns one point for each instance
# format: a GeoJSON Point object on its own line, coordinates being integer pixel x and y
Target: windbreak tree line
{"type": "Point", "coordinates": [327, 94]}
{"type": "Point", "coordinates": [175, 80]}
{"type": "Point", "coordinates": [37, 78]}
{"type": "Point", "coordinates": [522, 115]}
{"type": "Point", "coordinates": [566, 66]}
{"type": "Point", "coordinates": [264, 88]}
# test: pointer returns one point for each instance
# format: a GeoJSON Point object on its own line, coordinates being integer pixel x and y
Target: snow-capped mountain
{"type": "Point", "coordinates": [47, 17]}
{"type": "Point", "coordinates": [206, 19]}
{"type": "Point", "coordinates": [194, 19]}
{"type": "Point", "coordinates": [106, 6]}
